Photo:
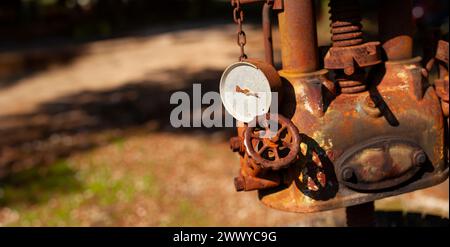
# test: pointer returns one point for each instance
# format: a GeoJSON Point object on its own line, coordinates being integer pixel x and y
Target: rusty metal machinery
{"type": "Point", "coordinates": [366, 126]}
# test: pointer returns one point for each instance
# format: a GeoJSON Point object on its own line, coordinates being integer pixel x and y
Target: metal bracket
{"type": "Point", "coordinates": [364, 55]}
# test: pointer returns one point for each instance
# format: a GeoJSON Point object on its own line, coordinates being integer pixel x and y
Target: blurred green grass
{"type": "Point", "coordinates": [38, 184]}
{"type": "Point", "coordinates": [60, 194]}
{"type": "Point", "coordinates": [30, 191]}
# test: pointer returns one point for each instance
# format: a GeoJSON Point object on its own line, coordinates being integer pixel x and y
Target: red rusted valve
{"type": "Point", "coordinates": [276, 152]}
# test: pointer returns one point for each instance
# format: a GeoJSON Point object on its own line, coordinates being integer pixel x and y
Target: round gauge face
{"type": "Point", "coordinates": [245, 91]}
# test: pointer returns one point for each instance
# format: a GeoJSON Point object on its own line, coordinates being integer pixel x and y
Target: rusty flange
{"type": "Point", "coordinates": [363, 55]}
{"type": "Point", "coordinates": [380, 163]}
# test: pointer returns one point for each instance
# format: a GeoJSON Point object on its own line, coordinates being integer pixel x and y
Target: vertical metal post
{"type": "Point", "coordinates": [267, 30]}
{"type": "Point", "coordinates": [396, 28]}
{"type": "Point", "coordinates": [361, 215]}
{"type": "Point", "coordinates": [299, 50]}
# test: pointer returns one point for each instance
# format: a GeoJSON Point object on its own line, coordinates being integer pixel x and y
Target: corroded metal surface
{"type": "Point", "coordinates": [345, 124]}
{"type": "Point", "coordinates": [441, 85]}
{"type": "Point", "coordinates": [380, 163]}
{"type": "Point", "coordinates": [442, 51]}
{"type": "Point", "coordinates": [442, 82]}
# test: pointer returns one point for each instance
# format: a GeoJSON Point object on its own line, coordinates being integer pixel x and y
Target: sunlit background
{"type": "Point", "coordinates": [85, 138]}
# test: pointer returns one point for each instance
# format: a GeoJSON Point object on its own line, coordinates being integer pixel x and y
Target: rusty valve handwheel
{"type": "Point", "coordinates": [275, 152]}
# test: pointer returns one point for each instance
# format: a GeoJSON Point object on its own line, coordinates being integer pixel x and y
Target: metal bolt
{"type": "Point", "coordinates": [348, 174]}
{"type": "Point", "coordinates": [239, 183]}
{"type": "Point", "coordinates": [419, 158]}
{"type": "Point", "coordinates": [370, 106]}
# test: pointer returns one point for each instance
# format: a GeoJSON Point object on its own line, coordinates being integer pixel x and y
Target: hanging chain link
{"type": "Point", "coordinates": [238, 17]}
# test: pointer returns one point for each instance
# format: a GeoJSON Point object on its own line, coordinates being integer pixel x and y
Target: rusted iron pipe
{"type": "Point", "coordinates": [299, 50]}
{"type": "Point", "coordinates": [267, 30]}
{"type": "Point", "coordinates": [396, 28]}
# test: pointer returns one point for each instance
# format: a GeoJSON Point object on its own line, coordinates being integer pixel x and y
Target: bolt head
{"type": "Point", "coordinates": [420, 158]}
{"type": "Point", "coordinates": [348, 174]}
{"type": "Point", "coordinates": [349, 70]}
{"type": "Point", "coordinates": [370, 102]}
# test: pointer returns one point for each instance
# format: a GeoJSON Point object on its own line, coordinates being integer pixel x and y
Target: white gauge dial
{"type": "Point", "coordinates": [245, 91]}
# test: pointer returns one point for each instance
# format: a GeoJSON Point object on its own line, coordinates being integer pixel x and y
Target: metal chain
{"type": "Point", "coordinates": [238, 17]}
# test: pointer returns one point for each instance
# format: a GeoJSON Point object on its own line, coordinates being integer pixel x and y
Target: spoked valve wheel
{"type": "Point", "coordinates": [272, 148]}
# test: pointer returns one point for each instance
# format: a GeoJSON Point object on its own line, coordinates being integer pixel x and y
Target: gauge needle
{"type": "Point", "coordinates": [246, 92]}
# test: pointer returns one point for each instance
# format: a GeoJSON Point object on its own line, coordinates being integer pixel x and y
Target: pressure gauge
{"type": "Point", "coordinates": [246, 89]}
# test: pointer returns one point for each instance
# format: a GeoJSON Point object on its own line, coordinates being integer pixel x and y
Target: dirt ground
{"type": "Point", "coordinates": [85, 138]}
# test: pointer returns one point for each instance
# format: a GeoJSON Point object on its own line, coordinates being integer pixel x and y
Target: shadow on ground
{"type": "Point", "coordinates": [82, 121]}
{"type": "Point", "coordinates": [401, 219]}
{"type": "Point", "coordinates": [38, 184]}
{"type": "Point", "coordinates": [18, 61]}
